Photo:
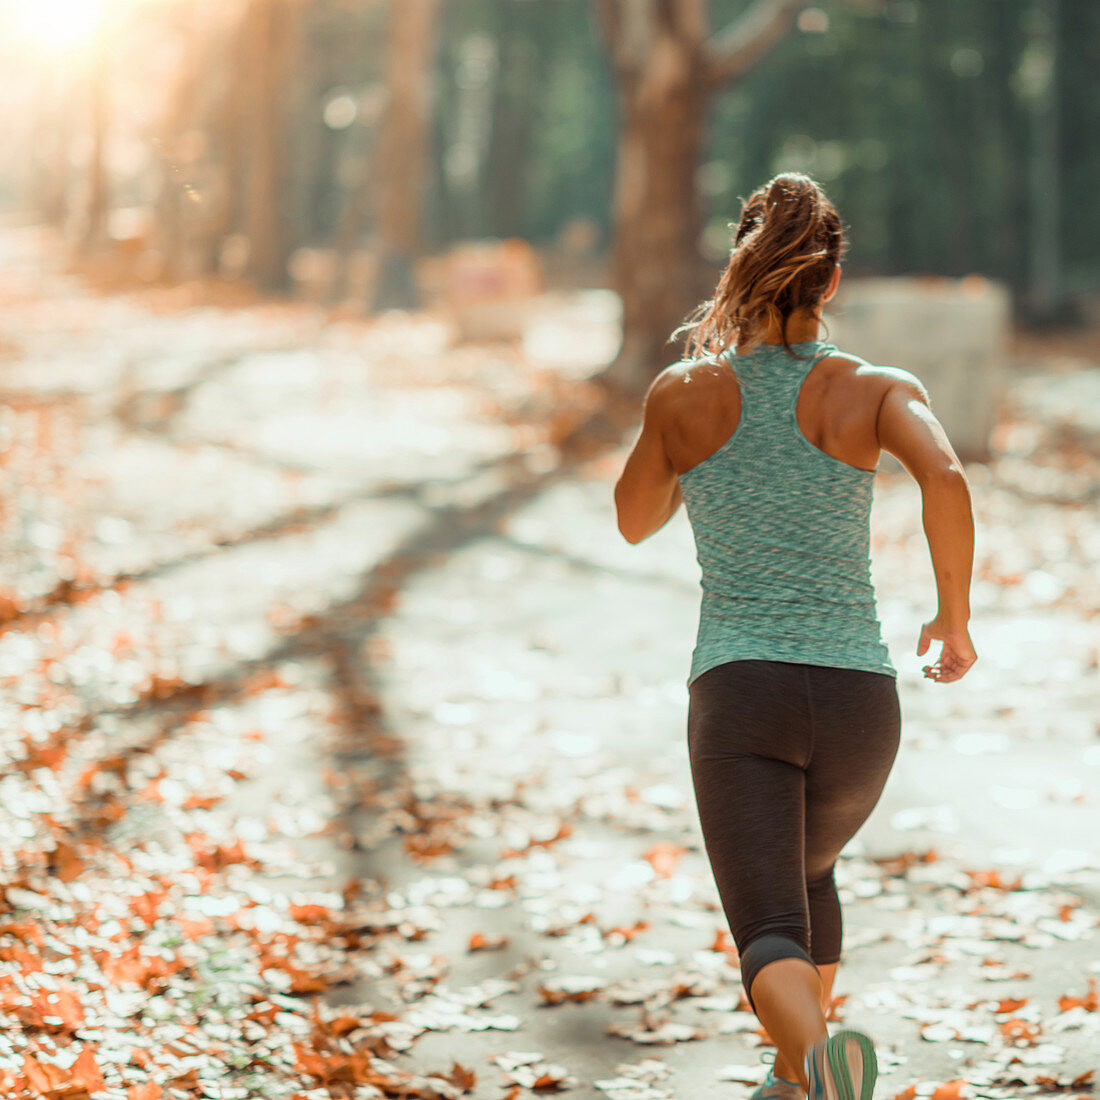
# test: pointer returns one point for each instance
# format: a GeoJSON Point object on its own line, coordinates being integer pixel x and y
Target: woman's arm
{"type": "Point", "coordinates": [908, 429]}
{"type": "Point", "coordinates": [647, 493]}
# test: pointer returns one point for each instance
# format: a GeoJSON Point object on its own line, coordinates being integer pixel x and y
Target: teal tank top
{"type": "Point", "coordinates": [782, 533]}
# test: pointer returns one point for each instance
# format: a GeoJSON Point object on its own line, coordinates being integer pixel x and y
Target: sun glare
{"type": "Point", "coordinates": [54, 25]}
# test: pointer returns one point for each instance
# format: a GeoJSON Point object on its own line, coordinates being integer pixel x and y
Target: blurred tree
{"type": "Point", "coordinates": [51, 152]}
{"type": "Point", "coordinates": [97, 205]}
{"type": "Point", "coordinates": [398, 167]}
{"type": "Point", "coordinates": [387, 192]}
{"type": "Point", "coordinates": [667, 65]}
{"type": "Point", "coordinates": [1040, 78]}
{"type": "Point", "coordinates": [523, 127]}
{"type": "Point", "coordinates": [271, 31]}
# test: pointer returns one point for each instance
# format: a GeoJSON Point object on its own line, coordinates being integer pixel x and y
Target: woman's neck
{"type": "Point", "coordinates": [801, 328]}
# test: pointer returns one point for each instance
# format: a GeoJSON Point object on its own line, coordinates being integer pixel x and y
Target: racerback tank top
{"type": "Point", "coordinates": [782, 533]}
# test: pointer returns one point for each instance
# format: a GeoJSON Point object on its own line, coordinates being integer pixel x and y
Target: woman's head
{"type": "Point", "coordinates": [787, 246]}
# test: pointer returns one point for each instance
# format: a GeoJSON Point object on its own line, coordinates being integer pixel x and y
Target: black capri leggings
{"type": "Point", "coordinates": [788, 761]}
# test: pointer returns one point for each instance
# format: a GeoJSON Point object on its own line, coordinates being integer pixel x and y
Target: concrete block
{"type": "Point", "coordinates": [951, 333]}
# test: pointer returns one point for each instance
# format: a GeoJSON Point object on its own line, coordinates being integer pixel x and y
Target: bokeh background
{"type": "Point", "coordinates": [342, 734]}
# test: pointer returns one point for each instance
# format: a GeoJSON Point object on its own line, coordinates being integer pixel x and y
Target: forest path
{"type": "Point", "coordinates": [326, 673]}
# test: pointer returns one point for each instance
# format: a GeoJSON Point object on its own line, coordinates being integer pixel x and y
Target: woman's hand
{"type": "Point", "coordinates": [958, 651]}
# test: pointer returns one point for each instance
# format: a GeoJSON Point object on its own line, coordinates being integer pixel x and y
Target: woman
{"type": "Point", "coordinates": [770, 436]}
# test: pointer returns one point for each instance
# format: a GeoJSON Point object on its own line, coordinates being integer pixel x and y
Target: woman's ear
{"type": "Point", "coordinates": [834, 282]}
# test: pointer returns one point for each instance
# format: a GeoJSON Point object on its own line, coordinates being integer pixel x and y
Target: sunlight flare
{"type": "Point", "coordinates": [54, 25]}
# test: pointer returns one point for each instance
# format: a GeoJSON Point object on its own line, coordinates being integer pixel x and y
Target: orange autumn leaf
{"type": "Point", "coordinates": [194, 928]}
{"type": "Point", "coordinates": [950, 1090]}
{"type": "Point", "coordinates": [147, 905]}
{"type": "Point", "coordinates": [906, 1094]}
{"type": "Point", "coordinates": [29, 962]}
{"type": "Point", "coordinates": [217, 856]}
{"type": "Point", "coordinates": [148, 971]}
{"type": "Point", "coordinates": [341, 1025]}
{"type": "Point", "coordinates": [664, 856]}
{"type": "Point", "coordinates": [480, 942]}
{"type": "Point", "coordinates": [301, 981]}
{"type": "Point", "coordinates": [62, 1004]}
{"type": "Point", "coordinates": [1090, 1002]}
{"type": "Point", "coordinates": [308, 1061]}
{"type": "Point", "coordinates": [23, 930]}
{"type": "Point", "coordinates": [149, 1091]}
{"type": "Point", "coordinates": [43, 756]}
{"type": "Point", "coordinates": [1016, 1029]}
{"type": "Point", "coordinates": [992, 879]}
{"type": "Point", "coordinates": [310, 914]}
{"type": "Point", "coordinates": [564, 830]}
{"type": "Point", "coordinates": [546, 1081]}
{"type": "Point", "coordinates": [69, 865]}
{"type": "Point", "coordinates": [43, 1077]}
{"type": "Point", "coordinates": [1010, 1004]}
{"type": "Point", "coordinates": [560, 996]}
{"type": "Point", "coordinates": [85, 1071]}
{"type": "Point", "coordinates": [196, 801]}
{"type": "Point", "coordinates": [723, 942]}
{"type": "Point", "coordinates": [151, 792]}
{"type": "Point", "coordinates": [464, 1078]}
{"type": "Point", "coordinates": [628, 933]}
{"type": "Point", "coordinates": [331, 1068]}
{"type": "Point", "coordinates": [427, 846]}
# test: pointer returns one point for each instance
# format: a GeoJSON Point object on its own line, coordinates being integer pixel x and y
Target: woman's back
{"type": "Point", "coordinates": [781, 525]}
{"type": "Point", "coordinates": [836, 409]}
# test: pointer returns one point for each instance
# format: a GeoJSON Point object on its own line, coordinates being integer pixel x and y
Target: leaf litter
{"type": "Point", "coordinates": [150, 946]}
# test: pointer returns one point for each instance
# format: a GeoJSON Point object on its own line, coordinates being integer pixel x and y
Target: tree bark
{"type": "Point", "coordinates": [667, 64]}
{"type": "Point", "coordinates": [397, 169]}
{"type": "Point", "coordinates": [271, 37]}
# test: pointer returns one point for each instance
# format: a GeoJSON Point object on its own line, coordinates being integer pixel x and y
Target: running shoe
{"type": "Point", "coordinates": [776, 1088]}
{"type": "Point", "coordinates": [842, 1067]}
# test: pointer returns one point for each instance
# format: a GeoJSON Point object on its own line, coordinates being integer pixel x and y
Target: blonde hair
{"type": "Point", "coordinates": [788, 242]}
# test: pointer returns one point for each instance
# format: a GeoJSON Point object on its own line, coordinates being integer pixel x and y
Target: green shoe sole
{"type": "Point", "coordinates": [843, 1067]}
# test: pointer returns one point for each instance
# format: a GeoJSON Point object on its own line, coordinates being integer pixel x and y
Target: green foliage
{"type": "Point", "coordinates": [914, 114]}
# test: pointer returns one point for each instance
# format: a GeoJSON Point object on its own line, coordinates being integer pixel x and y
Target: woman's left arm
{"type": "Point", "coordinates": [647, 493]}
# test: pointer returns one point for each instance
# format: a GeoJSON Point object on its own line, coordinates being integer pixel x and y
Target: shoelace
{"type": "Point", "coordinates": [768, 1057]}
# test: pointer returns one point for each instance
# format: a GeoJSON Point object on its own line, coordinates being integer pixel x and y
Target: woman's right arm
{"type": "Point", "coordinates": [908, 429]}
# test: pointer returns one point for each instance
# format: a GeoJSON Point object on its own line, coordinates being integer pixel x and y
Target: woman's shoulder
{"type": "Point", "coordinates": [878, 375]}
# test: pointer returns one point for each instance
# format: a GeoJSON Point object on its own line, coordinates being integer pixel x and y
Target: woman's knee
{"type": "Point", "coordinates": [821, 880]}
{"type": "Point", "coordinates": [769, 948]}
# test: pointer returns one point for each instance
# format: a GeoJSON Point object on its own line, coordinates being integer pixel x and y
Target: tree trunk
{"type": "Point", "coordinates": [271, 36]}
{"type": "Point", "coordinates": [51, 154]}
{"type": "Point", "coordinates": [667, 65]}
{"type": "Point", "coordinates": [657, 217]}
{"type": "Point", "coordinates": [94, 230]}
{"type": "Point", "coordinates": [398, 166]}
{"type": "Point", "coordinates": [1044, 297]}
{"type": "Point", "coordinates": [520, 80]}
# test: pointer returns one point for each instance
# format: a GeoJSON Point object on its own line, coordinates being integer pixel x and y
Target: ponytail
{"type": "Point", "coordinates": [787, 244]}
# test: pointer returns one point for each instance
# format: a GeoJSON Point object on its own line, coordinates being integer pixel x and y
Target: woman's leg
{"type": "Point", "coordinates": [783, 1068]}
{"type": "Point", "coordinates": [857, 731]}
{"type": "Point", "coordinates": [749, 739]}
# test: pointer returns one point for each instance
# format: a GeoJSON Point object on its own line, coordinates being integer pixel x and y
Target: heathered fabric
{"type": "Point", "coordinates": [782, 533]}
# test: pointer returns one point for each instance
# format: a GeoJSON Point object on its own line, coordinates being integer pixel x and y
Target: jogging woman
{"type": "Point", "coordinates": [770, 436]}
